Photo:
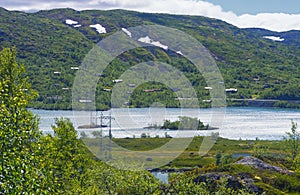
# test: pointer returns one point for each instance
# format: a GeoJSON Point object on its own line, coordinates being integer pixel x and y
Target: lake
{"type": "Point", "coordinates": [232, 122]}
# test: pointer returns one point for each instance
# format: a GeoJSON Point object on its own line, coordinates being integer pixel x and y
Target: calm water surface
{"type": "Point", "coordinates": [233, 122]}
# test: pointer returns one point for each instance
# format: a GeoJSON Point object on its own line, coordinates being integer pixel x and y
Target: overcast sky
{"type": "Point", "coordinates": [277, 15]}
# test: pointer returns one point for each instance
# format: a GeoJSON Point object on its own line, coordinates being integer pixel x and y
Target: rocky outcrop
{"type": "Point", "coordinates": [241, 180]}
{"type": "Point", "coordinates": [259, 164]}
{"type": "Point", "coordinates": [233, 182]}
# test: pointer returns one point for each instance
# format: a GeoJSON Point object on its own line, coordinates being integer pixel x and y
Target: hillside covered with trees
{"type": "Point", "coordinates": [52, 44]}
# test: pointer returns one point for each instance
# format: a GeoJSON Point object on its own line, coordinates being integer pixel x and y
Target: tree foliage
{"type": "Point", "coordinates": [260, 151]}
{"type": "Point", "coordinates": [19, 132]}
{"type": "Point", "coordinates": [185, 123]}
{"type": "Point", "coordinates": [292, 139]}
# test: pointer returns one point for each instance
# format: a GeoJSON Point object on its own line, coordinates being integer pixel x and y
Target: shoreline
{"type": "Point", "coordinates": [228, 106]}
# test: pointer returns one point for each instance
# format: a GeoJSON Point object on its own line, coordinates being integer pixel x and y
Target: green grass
{"type": "Point", "coordinates": [141, 144]}
{"type": "Point", "coordinates": [268, 181]}
{"type": "Point", "coordinates": [190, 156]}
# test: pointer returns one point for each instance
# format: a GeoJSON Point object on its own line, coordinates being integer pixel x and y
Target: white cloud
{"type": "Point", "coordinates": [271, 21]}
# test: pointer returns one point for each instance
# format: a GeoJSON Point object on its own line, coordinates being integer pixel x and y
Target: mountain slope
{"type": "Point", "coordinates": [290, 37]}
{"type": "Point", "coordinates": [50, 42]}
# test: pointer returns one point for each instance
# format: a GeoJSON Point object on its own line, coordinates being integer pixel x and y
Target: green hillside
{"type": "Point", "coordinates": [259, 68]}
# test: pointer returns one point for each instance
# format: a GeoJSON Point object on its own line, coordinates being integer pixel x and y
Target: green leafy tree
{"type": "Point", "coordinates": [143, 135]}
{"type": "Point", "coordinates": [104, 179]}
{"type": "Point", "coordinates": [184, 123]}
{"type": "Point", "coordinates": [218, 157]}
{"type": "Point", "coordinates": [260, 151]}
{"type": "Point", "coordinates": [292, 140]}
{"type": "Point", "coordinates": [19, 169]}
{"type": "Point", "coordinates": [187, 183]}
{"type": "Point", "coordinates": [66, 159]}
{"type": "Point", "coordinates": [226, 159]}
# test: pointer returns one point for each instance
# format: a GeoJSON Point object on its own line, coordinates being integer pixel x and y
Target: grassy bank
{"type": "Point", "coordinates": [190, 157]}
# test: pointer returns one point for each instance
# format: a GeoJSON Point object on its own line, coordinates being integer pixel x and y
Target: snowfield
{"type": "Point", "coordinates": [273, 38]}
{"type": "Point", "coordinates": [99, 28]}
{"type": "Point", "coordinates": [148, 40]}
{"type": "Point", "coordinates": [127, 32]}
{"type": "Point", "coordinates": [71, 22]}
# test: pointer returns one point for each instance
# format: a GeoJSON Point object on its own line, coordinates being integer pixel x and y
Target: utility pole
{"type": "Point", "coordinates": [101, 138]}
{"type": "Point", "coordinates": [109, 134]}
{"type": "Point", "coordinates": [110, 137]}
{"type": "Point", "coordinates": [108, 120]}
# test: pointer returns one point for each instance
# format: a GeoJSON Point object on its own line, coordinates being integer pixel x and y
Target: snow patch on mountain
{"type": "Point", "coordinates": [76, 26]}
{"type": "Point", "coordinates": [127, 32]}
{"type": "Point", "coordinates": [273, 38]}
{"type": "Point", "coordinates": [148, 40]}
{"type": "Point", "coordinates": [71, 22]}
{"type": "Point", "coordinates": [99, 28]}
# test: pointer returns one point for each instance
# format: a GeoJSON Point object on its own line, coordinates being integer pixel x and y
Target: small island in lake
{"type": "Point", "coordinates": [184, 123]}
{"type": "Point", "coordinates": [91, 126]}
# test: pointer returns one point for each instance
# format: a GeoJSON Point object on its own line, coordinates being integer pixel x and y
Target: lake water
{"type": "Point", "coordinates": [161, 176]}
{"type": "Point", "coordinates": [233, 122]}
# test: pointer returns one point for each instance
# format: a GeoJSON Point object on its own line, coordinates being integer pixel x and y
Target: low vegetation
{"type": "Point", "coordinates": [184, 123]}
